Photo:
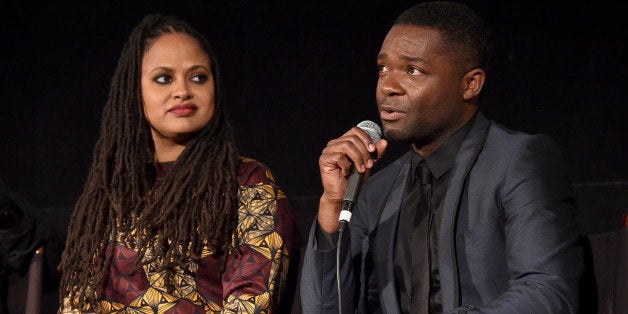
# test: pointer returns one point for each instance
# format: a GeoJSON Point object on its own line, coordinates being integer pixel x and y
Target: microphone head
{"type": "Point", "coordinates": [372, 129]}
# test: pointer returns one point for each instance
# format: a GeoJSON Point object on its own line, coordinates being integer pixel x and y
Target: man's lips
{"type": "Point", "coordinates": [183, 110]}
{"type": "Point", "coordinates": [390, 114]}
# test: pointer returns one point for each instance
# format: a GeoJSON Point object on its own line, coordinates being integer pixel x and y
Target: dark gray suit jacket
{"type": "Point", "coordinates": [507, 241]}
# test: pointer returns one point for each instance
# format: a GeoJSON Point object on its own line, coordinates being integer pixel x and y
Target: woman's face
{"type": "Point", "coordinates": [177, 89]}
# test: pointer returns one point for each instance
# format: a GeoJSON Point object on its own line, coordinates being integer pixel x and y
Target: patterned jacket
{"type": "Point", "coordinates": [252, 279]}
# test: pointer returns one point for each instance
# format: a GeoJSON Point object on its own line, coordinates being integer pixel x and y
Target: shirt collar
{"type": "Point", "coordinates": [444, 157]}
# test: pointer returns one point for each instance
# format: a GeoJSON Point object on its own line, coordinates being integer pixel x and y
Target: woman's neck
{"type": "Point", "coordinates": [166, 151]}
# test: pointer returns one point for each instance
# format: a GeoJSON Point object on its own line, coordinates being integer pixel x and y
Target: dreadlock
{"type": "Point", "coordinates": [194, 206]}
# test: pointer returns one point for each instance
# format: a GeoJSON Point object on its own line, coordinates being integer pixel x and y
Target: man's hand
{"type": "Point", "coordinates": [355, 147]}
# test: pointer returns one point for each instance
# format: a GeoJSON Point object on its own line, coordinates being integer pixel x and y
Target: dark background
{"type": "Point", "coordinates": [300, 73]}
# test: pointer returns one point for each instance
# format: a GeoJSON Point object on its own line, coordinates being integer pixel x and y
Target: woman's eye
{"type": "Point", "coordinates": [163, 79]}
{"type": "Point", "coordinates": [199, 78]}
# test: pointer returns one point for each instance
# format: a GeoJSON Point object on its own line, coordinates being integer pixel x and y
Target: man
{"type": "Point", "coordinates": [489, 228]}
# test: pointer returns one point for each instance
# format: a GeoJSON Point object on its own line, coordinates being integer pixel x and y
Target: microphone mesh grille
{"type": "Point", "coordinates": [372, 129]}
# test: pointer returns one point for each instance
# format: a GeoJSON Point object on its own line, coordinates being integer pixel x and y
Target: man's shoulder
{"type": "Point", "coordinates": [505, 146]}
{"type": "Point", "coordinates": [501, 135]}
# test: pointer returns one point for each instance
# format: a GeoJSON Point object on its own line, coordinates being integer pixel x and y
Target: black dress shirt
{"type": "Point", "coordinates": [440, 162]}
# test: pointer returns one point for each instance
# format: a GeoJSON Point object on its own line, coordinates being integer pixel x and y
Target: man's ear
{"type": "Point", "coordinates": [472, 83]}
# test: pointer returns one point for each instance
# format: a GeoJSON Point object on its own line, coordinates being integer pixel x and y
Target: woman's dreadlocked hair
{"type": "Point", "coordinates": [195, 204]}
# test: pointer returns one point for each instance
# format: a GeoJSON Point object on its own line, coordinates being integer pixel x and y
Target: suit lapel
{"type": "Point", "coordinates": [465, 159]}
{"type": "Point", "coordinates": [384, 242]}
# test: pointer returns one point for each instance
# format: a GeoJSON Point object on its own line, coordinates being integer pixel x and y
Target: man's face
{"type": "Point", "coordinates": [420, 88]}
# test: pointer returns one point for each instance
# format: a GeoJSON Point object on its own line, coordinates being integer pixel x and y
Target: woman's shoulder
{"type": "Point", "coordinates": [253, 172]}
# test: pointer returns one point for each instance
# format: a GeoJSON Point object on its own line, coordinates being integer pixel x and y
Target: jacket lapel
{"type": "Point", "coordinates": [384, 242]}
{"type": "Point", "coordinates": [465, 159]}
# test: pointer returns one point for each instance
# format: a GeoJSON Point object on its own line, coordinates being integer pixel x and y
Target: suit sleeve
{"type": "Point", "coordinates": [319, 284]}
{"type": "Point", "coordinates": [543, 257]}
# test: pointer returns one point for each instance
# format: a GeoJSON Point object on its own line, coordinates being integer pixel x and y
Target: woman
{"type": "Point", "coordinates": [171, 217]}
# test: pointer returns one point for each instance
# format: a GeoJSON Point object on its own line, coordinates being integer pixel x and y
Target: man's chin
{"type": "Point", "coordinates": [395, 135]}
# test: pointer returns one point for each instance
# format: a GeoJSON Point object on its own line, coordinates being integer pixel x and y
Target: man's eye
{"type": "Point", "coordinates": [414, 71]}
{"type": "Point", "coordinates": [382, 69]}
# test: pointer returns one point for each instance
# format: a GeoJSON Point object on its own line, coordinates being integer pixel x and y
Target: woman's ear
{"type": "Point", "coordinates": [472, 83]}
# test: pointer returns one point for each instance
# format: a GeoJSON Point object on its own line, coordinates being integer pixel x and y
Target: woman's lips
{"type": "Point", "coordinates": [183, 110]}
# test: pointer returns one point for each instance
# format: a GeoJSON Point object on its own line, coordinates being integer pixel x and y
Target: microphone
{"type": "Point", "coordinates": [355, 178]}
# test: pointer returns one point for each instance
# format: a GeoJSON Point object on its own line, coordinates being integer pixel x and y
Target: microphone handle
{"type": "Point", "coordinates": [353, 185]}
{"type": "Point", "coordinates": [351, 194]}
